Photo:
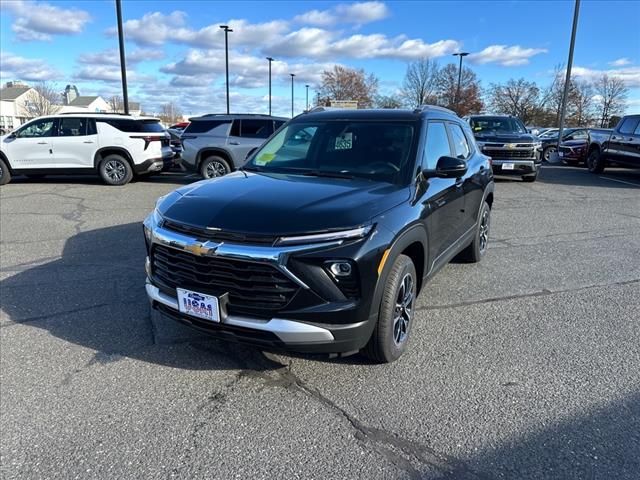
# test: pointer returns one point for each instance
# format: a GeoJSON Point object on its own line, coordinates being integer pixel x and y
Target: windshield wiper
{"type": "Point", "coordinates": [318, 173]}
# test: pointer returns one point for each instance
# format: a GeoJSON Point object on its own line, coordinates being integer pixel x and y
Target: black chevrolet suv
{"type": "Point", "coordinates": [323, 240]}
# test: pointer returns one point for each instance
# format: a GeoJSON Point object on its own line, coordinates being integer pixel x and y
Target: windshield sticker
{"type": "Point", "coordinates": [344, 141]}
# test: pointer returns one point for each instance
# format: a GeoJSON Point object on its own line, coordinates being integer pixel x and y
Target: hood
{"type": "Point", "coordinates": [279, 204]}
{"type": "Point", "coordinates": [506, 138]}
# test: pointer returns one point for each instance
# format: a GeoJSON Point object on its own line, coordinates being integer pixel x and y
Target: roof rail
{"type": "Point", "coordinates": [94, 113]}
{"type": "Point", "coordinates": [232, 114]}
{"type": "Point", "coordinates": [424, 108]}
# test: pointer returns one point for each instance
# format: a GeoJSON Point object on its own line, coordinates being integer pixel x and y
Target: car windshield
{"type": "Point", "coordinates": [489, 125]}
{"type": "Point", "coordinates": [376, 150]}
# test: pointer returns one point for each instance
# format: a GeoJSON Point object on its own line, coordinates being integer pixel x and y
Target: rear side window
{"type": "Point", "coordinates": [250, 128]}
{"type": "Point", "coordinates": [629, 124]}
{"type": "Point", "coordinates": [202, 126]}
{"type": "Point", "coordinates": [72, 127]}
{"type": "Point", "coordinates": [437, 145]}
{"type": "Point", "coordinates": [278, 123]}
{"type": "Point", "coordinates": [134, 126]}
{"type": "Point", "coordinates": [460, 145]}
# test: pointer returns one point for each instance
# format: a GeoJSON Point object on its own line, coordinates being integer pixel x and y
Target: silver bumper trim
{"type": "Point", "coordinates": [289, 331]}
{"type": "Point", "coordinates": [528, 163]}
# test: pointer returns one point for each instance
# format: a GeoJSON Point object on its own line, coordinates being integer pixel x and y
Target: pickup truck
{"type": "Point", "coordinates": [620, 145]}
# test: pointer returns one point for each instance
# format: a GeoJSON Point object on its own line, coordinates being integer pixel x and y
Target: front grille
{"type": "Point", "coordinates": [219, 236]}
{"type": "Point", "coordinates": [254, 288]}
{"type": "Point", "coordinates": [509, 154]}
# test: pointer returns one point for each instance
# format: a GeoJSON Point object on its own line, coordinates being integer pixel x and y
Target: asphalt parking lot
{"type": "Point", "coordinates": [524, 366]}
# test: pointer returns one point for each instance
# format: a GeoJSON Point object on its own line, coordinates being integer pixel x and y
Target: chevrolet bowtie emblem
{"type": "Point", "coordinates": [202, 249]}
{"type": "Point", "coordinates": [510, 145]}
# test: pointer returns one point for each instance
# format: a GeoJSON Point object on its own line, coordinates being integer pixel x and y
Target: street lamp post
{"type": "Point", "coordinates": [123, 67]}
{"type": "Point", "coordinates": [226, 58]}
{"type": "Point", "coordinates": [307, 101]}
{"type": "Point", "coordinates": [567, 80]}
{"type": "Point", "coordinates": [270, 60]}
{"type": "Point", "coordinates": [292, 75]}
{"type": "Point", "coordinates": [459, 54]}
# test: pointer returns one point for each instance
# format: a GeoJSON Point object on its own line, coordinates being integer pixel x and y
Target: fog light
{"type": "Point", "coordinates": [340, 269]}
{"type": "Point", "coordinates": [147, 267]}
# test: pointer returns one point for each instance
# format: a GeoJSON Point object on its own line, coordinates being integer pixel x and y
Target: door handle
{"type": "Point", "coordinates": [42, 143]}
{"type": "Point", "coordinates": [234, 143]}
{"type": "Point", "coordinates": [88, 141]}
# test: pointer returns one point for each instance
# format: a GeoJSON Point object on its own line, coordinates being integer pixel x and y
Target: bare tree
{"type": "Point", "coordinates": [170, 113]}
{"type": "Point", "coordinates": [388, 101]}
{"type": "Point", "coordinates": [343, 83]}
{"type": "Point", "coordinates": [611, 96]}
{"type": "Point", "coordinates": [516, 97]}
{"type": "Point", "coordinates": [44, 99]}
{"type": "Point", "coordinates": [583, 106]}
{"type": "Point", "coordinates": [420, 81]}
{"type": "Point", "coordinates": [447, 86]}
{"type": "Point", "coordinates": [116, 104]}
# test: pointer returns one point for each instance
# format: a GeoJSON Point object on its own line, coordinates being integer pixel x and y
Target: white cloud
{"type": "Point", "coordinates": [41, 21]}
{"type": "Point", "coordinates": [108, 73]}
{"type": "Point", "coordinates": [621, 62]}
{"type": "Point", "coordinates": [629, 75]}
{"type": "Point", "coordinates": [356, 13]}
{"type": "Point", "coordinates": [112, 56]}
{"type": "Point", "coordinates": [30, 69]}
{"type": "Point", "coordinates": [506, 56]}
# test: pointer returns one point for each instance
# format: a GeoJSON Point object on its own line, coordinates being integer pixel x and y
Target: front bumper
{"type": "Point", "coordinates": [520, 167]}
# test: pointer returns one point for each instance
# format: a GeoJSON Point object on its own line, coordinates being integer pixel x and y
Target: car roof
{"type": "Point", "coordinates": [236, 116]}
{"type": "Point", "coordinates": [394, 114]}
{"type": "Point", "coordinates": [118, 116]}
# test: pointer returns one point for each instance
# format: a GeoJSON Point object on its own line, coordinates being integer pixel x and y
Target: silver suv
{"type": "Point", "coordinates": [217, 144]}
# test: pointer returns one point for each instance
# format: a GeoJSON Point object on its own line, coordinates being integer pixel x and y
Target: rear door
{"type": "Point", "coordinates": [246, 135]}
{"type": "Point", "coordinates": [442, 202]}
{"type": "Point", "coordinates": [76, 142]}
{"type": "Point", "coordinates": [32, 145]}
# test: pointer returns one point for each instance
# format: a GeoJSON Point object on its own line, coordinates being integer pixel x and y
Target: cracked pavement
{"type": "Point", "coordinates": [524, 366]}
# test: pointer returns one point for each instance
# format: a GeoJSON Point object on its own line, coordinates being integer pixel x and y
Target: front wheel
{"type": "Point", "coordinates": [546, 153]}
{"type": "Point", "coordinates": [391, 333]}
{"type": "Point", "coordinates": [5, 174]}
{"type": "Point", "coordinates": [213, 167]}
{"type": "Point", "coordinates": [595, 162]}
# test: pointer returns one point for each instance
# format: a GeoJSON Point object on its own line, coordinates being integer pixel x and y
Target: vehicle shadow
{"type": "Point", "coordinates": [579, 176]}
{"type": "Point", "coordinates": [165, 177]}
{"type": "Point", "coordinates": [94, 296]}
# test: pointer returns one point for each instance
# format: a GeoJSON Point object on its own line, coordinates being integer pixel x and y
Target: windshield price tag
{"type": "Point", "coordinates": [344, 141]}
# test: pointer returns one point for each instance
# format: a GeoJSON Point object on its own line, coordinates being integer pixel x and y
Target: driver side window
{"type": "Point", "coordinates": [437, 145]}
{"type": "Point", "coordinates": [39, 128]}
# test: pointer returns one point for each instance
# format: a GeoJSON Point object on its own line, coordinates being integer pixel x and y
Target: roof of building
{"type": "Point", "coordinates": [11, 93]}
{"type": "Point", "coordinates": [83, 101]}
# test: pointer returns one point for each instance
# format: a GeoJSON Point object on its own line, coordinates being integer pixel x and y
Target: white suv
{"type": "Point", "coordinates": [117, 147]}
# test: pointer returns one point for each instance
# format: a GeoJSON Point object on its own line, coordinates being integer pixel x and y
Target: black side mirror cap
{"type": "Point", "coordinates": [447, 167]}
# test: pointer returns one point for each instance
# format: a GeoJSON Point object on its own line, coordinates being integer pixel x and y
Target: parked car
{"type": "Point", "coordinates": [176, 146]}
{"type": "Point", "coordinates": [513, 151]}
{"type": "Point", "coordinates": [116, 147]}
{"type": "Point", "coordinates": [217, 144]}
{"type": "Point", "coordinates": [179, 126]}
{"type": "Point", "coordinates": [620, 145]}
{"type": "Point", "coordinates": [548, 132]}
{"type": "Point", "coordinates": [326, 249]}
{"type": "Point", "coordinates": [550, 142]}
{"type": "Point", "coordinates": [574, 152]}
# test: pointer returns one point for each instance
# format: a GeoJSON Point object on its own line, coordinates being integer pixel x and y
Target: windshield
{"type": "Point", "coordinates": [493, 125]}
{"type": "Point", "coordinates": [379, 151]}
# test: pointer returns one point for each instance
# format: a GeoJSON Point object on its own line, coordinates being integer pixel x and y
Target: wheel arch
{"type": "Point", "coordinates": [210, 151]}
{"type": "Point", "coordinates": [103, 152]}
{"type": "Point", "coordinates": [4, 158]}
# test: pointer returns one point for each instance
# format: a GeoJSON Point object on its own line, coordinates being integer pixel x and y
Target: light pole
{"type": "Point", "coordinates": [123, 67]}
{"type": "Point", "coordinates": [576, 11]}
{"type": "Point", "coordinates": [307, 87]}
{"type": "Point", "coordinates": [226, 58]}
{"type": "Point", "coordinates": [459, 54]}
{"type": "Point", "coordinates": [292, 75]}
{"type": "Point", "coordinates": [270, 60]}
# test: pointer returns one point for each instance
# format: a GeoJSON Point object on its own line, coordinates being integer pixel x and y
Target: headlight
{"type": "Point", "coordinates": [359, 232]}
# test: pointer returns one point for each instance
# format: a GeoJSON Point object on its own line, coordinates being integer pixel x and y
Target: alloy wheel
{"type": "Point", "coordinates": [216, 169]}
{"type": "Point", "coordinates": [115, 170]}
{"type": "Point", "coordinates": [403, 311]}
{"type": "Point", "coordinates": [548, 152]}
{"type": "Point", "coordinates": [485, 223]}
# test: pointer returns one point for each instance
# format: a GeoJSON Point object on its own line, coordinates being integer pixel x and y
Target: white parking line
{"type": "Point", "coordinates": [621, 181]}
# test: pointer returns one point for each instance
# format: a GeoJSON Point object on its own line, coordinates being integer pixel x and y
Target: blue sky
{"type": "Point", "coordinates": [176, 49]}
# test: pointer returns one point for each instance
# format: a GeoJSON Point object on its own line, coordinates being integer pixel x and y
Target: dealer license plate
{"type": "Point", "coordinates": [199, 305]}
{"type": "Point", "coordinates": [508, 166]}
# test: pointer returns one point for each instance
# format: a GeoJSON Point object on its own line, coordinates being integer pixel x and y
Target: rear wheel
{"type": "Point", "coordinates": [214, 166]}
{"type": "Point", "coordinates": [595, 162]}
{"type": "Point", "coordinates": [115, 170]}
{"type": "Point", "coordinates": [546, 153]}
{"type": "Point", "coordinates": [478, 247]}
{"type": "Point", "coordinates": [5, 175]}
{"type": "Point", "coordinates": [391, 333]}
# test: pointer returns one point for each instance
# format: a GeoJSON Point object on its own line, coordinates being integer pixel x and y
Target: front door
{"type": "Point", "coordinates": [76, 143]}
{"type": "Point", "coordinates": [32, 147]}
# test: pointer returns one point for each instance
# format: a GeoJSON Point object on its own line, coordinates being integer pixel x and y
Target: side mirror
{"type": "Point", "coordinates": [447, 167]}
{"type": "Point", "coordinates": [12, 135]}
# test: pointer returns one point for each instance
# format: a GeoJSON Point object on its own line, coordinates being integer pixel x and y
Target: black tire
{"type": "Point", "coordinates": [115, 170]}
{"type": "Point", "coordinates": [214, 166]}
{"type": "Point", "coordinates": [595, 162]}
{"type": "Point", "coordinates": [5, 174]}
{"type": "Point", "coordinates": [478, 247]}
{"type": "Point", "coordinates": [546, 153]}
{"type": "Point", "coordinates": [391, 333]}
